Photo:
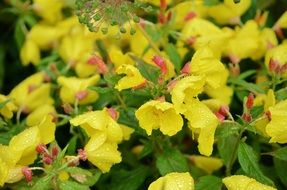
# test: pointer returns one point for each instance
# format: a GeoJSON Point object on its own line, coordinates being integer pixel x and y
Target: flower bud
{"type": "Point", "coordinates": [161, 18]}
{"type": "Point", "coordinates": [159, 61]}
{"type": "Point", "coordinates": [273, 65]}
{"type": "Point", "coordinates": [68, 109]}
{"type": "Point", "coordinates": [41, 148]}
{"type": "Point", "coordinates": [47, 160]}
{"type": "Point", "coordinates": [113, 113]}
{"type": "Point", "coordinates": [186, 68]}
{"type": "Point", "coordinates": [27, 172]}
{"type": "Point", "coordinates": [82, 154]}
{"type": "Point", "coordinates": [224, 110]}
{"type": "Point", "coordinates": [250, 101]}
{"type": "Point", "coordinates": [81, 94]}
{"type": "Point", "coordinates": [96, 60]}
{"type": "Point", "coordinates": [189, 16]}
{"type": "Point", "coordinates": [247, 117]}
{"type": "Point", "coordinates": [219, 116]}
{"type": "Point", "coordinates": [55, 151]}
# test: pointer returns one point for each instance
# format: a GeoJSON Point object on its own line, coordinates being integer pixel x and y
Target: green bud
{"type": "Point", "coordinates": [123, 30]}
{"type": "Point", "coordinates": [136, 19]}
{"type": "Point", "coordinates": [97, 17]}
{"type": "Point", "coordinates": [132, 31]}
{"type": "Point", "coordinates": [104, 30]}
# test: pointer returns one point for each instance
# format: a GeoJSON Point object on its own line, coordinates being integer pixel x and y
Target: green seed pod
{"type": "Point", "coordinates": [123, 30]}
{"type": "Point", "coordinates": [132, 31]}
{"type": "Point", "coordinates": [104, 30]}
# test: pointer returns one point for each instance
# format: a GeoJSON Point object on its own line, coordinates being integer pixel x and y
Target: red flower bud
{"type": "Point", "coordinates": [160, 63]}
{"type": "Point", "coordinates": [41, 148]}
{"type": "Point", "coordinates": [163, 4]}
{"type": "Point", "coordinates": [219, 116]}
{"type": "Point", "coordinates": [186, 68]}
{"type": "Point", "coordinates": [113, 113]}
{"type": "Point", "coordinates": [81, 94]}
{"type": "Point", "coordinates": [82, 154]}
{"type": "Point", "coordinates": [224, 110]}
{"type": "Point", "coordinates": [191, 40]}
{"type": "Point", "coordinates": [96, 60]}
{"type": "Point", "coordinates": [169, 16]}
{"type": "Point", "coordinates": [27, 172]}
{"type": "Point", "coordinates": [268, 115]}
{"type": "Point", "coordinates": [67, 108]}
{"type": "Point", "coordinates": [47, 160]}
{"type": "Point", "coordinates": [247, 117]}
{"type": "Point", "coordinates": [189, 16]}
{"type": "Point", "coordinates": [55, 151]}
{"type": "Point", "coordinates": [161, 18]}
{"type": "Point", "coordinates": [273, 65]}
{"type": "Point", "coordinates": [250, 101]}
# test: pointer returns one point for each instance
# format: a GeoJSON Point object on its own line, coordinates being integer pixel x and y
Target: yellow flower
{"type": "Point", "coordinates": [277, 127]}
{"type": "Point", "coordinates": [118, 58]}
{"type": "Point", "coordinates": [73, 89]}
{"type": "Point", "coordinates": [184, 90]}
{"type": "Point", "coordinates": [267, 40]}
{"type": "Point", "coordinates": [228, 11]}
{"type": "Point", "coordinates": [35, 117]}
{"type": "Point", "coordinates": [245, 42]}
{"type": "Point", "coordinates": [75, 46]}
{"type": "Point", "coordinates": [278, 55]}
{"type": "Point", "coordinates": [101, 153]}
{"type": "Point", "coordinates": [207, 164]}
{"type": "Point", "coordinates": [202, 122]}
{"type": "Point", "coordinates": [223, 93]}
{"type": "Point", "coordinates": [206, 34]}
{"type": "Point", "coordinates": [159, 115]}
{"type": "Point", "coordinates": [31, 93]}
{"type": "Point", "coordinates": [50, 10]}
{"type": "Point", "coordinates": [97, 122]}
{"type": "Point", "coordinates": [241, 182]}
{"type": "Point", "coordinates": [49, 40]}
{"type": "Point", "coordinates": [30, 53]}
{"type": "Point", "coordinates": [25, 143]}
{"type": "Point", "coordinates": [184, 8]}
{"type": "Point", "coordinates": [132, 79]}
{"type": "Point", "coordinates": [282, 21]}
{"type": "Point", "coordinates": [8, 108]}
{"type": "Point", "coordinates": [204, 62]}
{"type": "Point", "coordinates": [155, 2]}
{"type": "Point", "coordinates": [173, 181]}
{"type": "Point", "coordinates": [127, 132]}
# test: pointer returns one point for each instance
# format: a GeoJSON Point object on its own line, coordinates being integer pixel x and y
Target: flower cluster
{"type": "Point", "coordinates": [170, 95]}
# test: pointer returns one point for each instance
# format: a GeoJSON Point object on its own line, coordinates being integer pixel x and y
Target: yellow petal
{"type": "Point", "coordinates": [30, 53]}
{"type": "Point", "coordinates": [207, 164]}
{"type": "Point", "coordinates": [173, 181]}
{"type": "Point", "coordinates": [38, 114]}
{"type": "Point", "coordinates": [241, 182]}
{"type": "Point", "coordinates": [47, 129]}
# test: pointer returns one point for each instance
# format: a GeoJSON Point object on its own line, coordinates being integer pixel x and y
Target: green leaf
{"type": "Point", "coordinates": [227, 135]}
{"type": "Point", "coordinates": [147, 150]}
{"type": "Point", "coordinates": [19, 34]}
{"type": "Point", "coordinates": [72, 145]}
{"type": "Point", "coordinates": [248, 86]}
{"type": "Point", "coordinates": [129, 180]}
{"type": "Point", "coordinates": [174, 56]}
{"type": "Point", "coordinates": [171, 160]}
{"type": "Point", "coordinates": [281, 94]}
{"type": "Point", "coordinates": [280, 153]}
{"type": "Point", "coordinates": [248, 160]}
{"type": "Point", "coordinates": [127, 117]}
{"type": "Point", "coordinates": [209, 183]}
{"type": "Point", "coordinates": [281, 168]}
{"type": "Point", "coordinates": [148, 71]}
{"type": "Point", "coordinates": [101, 90]}
{"type": "Point", "coordinates": [43, 183]}
{"type": "Point", "coordinates": [246, 74]}
{"type": "Point", "coordinates": [71, 185]}
{"type": "Point", "coordinates": [58, 162]}
{"type": "Point", "coordinates": [14, 130]}
{"type": "Point", "coordinates": [84, 176]}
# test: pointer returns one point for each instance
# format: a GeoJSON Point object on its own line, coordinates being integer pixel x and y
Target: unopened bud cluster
{"type": "Point", "coordinates": [98, 15]}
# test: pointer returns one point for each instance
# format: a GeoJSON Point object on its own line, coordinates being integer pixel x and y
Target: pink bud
{"type": "Point", "coordinates": [27, 172]}
{"type": "Point", "coordinates": [161, 18]}
{"type": "Point", "coordinates": [273, 65]}
{"type": "Point", "coordinates": [186, 68]}
{"type": "Point", "coordinates": [96, 60]}
{"type": "Point", "coordinates": [169, 16]}
{"type": "Point", "coordinates": [82, 154]}
{"type": "Point", "coordinates": [224, 110]}
{"type": "Point", "coordinates": [31, 88]}
{"type": "Point", "coordinates": [163, 4]}
{"type": "Point", "coordinates": [160, 63]}
{"type": "Point", "coordinates": [191, 40]}
{"type": "Point", "coordinates": [81, 94]}
{"type": "Point", "coordinates": [234, 69]}
{"type": "Point", "coordinates": [161, 99]}
{"type": "Point", "coordinates": [55, 151]}
{"type": "Point", "coordinates": [247, 117]}
{"type": "Point", "coordinates": [67, 108]}
{"type": "Point", "coordinates": [219, 116]}
{"type": "Point", "coordinates": [41, 148]}
{"type": "Point", "coordinates": [47, 160]}
{"type": "Point", "coordinates": [283, 68]}
{"type": "Point", "coordinates": [142, 85]}
{"type": "Point", "coordinates": [113, 113]}
{"type": "Point", "coordinates": [234, 59]}
{"type": "Point", "coordinates": [189, 16]}
{"type": "Point", "coordinates": [171, 85]}
{"type": "Point", "coordinates": [250, 101]}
